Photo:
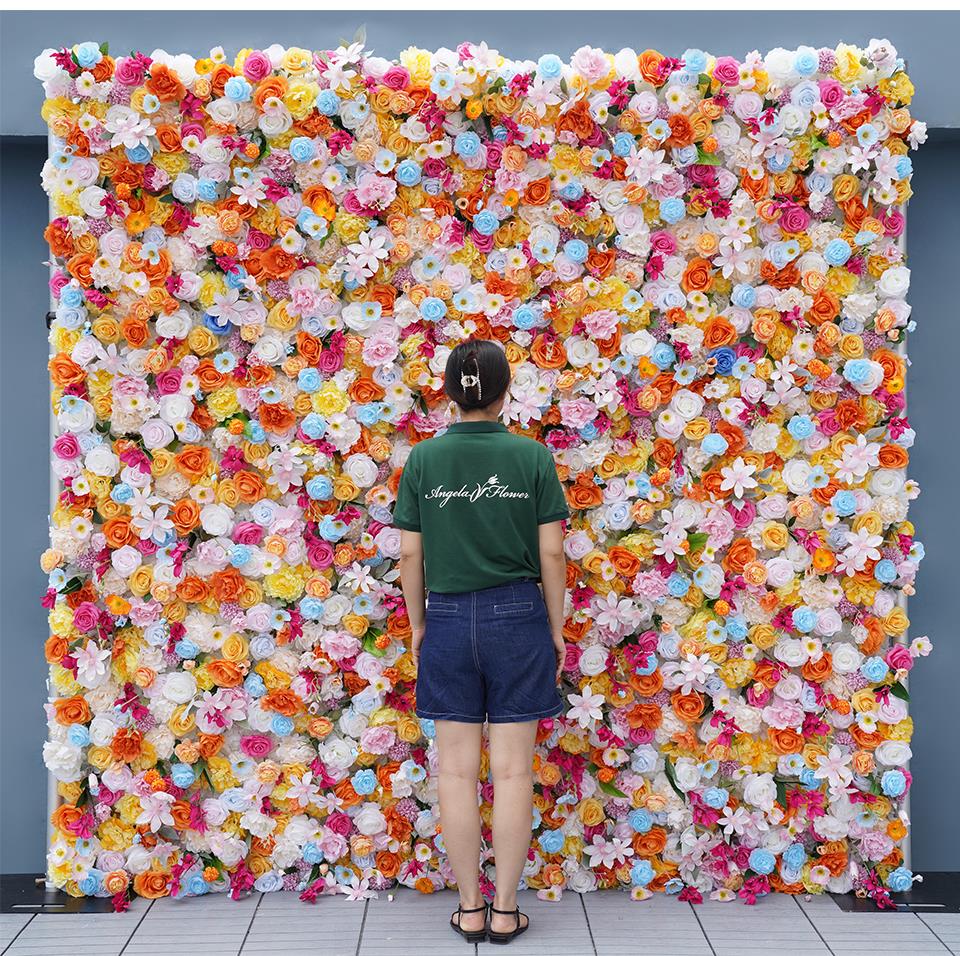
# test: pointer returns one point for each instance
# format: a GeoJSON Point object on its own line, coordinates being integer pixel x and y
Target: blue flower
{"type": "Point", "coordinates": [640, 820]}
{"type": "Point", "coordinates": [900, 880]}
{"type": "Point", "coordinates": [716, 797]}
{"type": "Point", "coordinates": [678, 585]}
{"type": "Point", "coordinates": [893, 783]}
{"type": "Point", "coordinates": [844, 502]}
{"type": "Point", "coordinates": [857, 371]}
{"type": "Point", "coordinates": [550, 66]}
{"type": "Point", "coordinates": [312, 853]}
{"type": "Point", "coordinates": [281, 725]}
{"type": "Point", "coordinates": [78, 735]}
{"type": "Point", "coordinates": [313, 426]}
{"type": "Point", "coordinates": [186, 649]}
{"type": "Point", "coordinates": [663, 355]}
{"type": "Point", "coordinates": [253, 684]}
{"type": "Point", "coordinates": [714, 444]}
{"type": "Point", "coordinates": [641, 873]}
{"type": "Point", "coordinates": [466, 144]}
{"type": "Point", "coordinates": [308, 379]}
{"type": "Point", "coordinates": [486, 223]}
{"type": "Point", "coordinates": [576, 250]}
{"type": "Point", "coordinates": [794, 856]}
{"type": "Point", "coordinates": [551, 841]}
{"type": "Point", "coordinates": [433, 309]}
{"type": "Point", "coordinates": [694, 60]}
{"type": "Point", "coordinates": [364, 781]}
{"type": "Point", "coordinates": [237, 89]}
{"type": "Point", "coordinates": [804, 619]}
{"type": "Point", "coordinates": [837, 252]}
{"type": "Point", "coordinates": [302, 149]}
{"type": "Point", "coordinates": [311, 608]}
{"type": "Point", "coordinates": [874, 669]}
{"type": "Point", "coordinates": [725, 357]}
{"type": "Point", "coordinates": [762, 861]}
{"type": "Point", "coordinates": [885, 571]}
{"type": "Point", "coordinates": [801, 426]}
{"type": "Point", "coordinates": [328, 102]}
{"type": "Point", "coordinates": [408, 173]}
{"type": "Point", "coordinates": [182, 774]}
{"type": "Point", "coordinates": [88, 54]}
{"type": "Point", "coordinates": [672, 210]}
{"type": "Point", "coordinates": [807, 61]}
{"type": "Point", "coordinates": [525, 316]}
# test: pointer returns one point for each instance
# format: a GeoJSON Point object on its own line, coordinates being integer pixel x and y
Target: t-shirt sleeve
{"type": "Point", "coordinates": [406, 510]}
{"type": "Point", "coordinates": [551, 501]}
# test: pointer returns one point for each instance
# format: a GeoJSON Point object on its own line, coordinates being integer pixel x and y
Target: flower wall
{"type": "Point", "coordinates": [259, 265]}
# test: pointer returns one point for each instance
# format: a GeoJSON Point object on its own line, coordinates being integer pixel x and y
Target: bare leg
{"type": "Point", "coordinates": [511, 763]}
{"type": "Point", "coordinates": [458, 746]}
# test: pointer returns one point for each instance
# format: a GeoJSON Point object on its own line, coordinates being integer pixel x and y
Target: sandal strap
{"type": "Point", "coordinates": [473, 909]}
{"type": "Point", "coordinates": [516, 909]}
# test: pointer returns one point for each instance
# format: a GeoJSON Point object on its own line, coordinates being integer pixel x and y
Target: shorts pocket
{"type": "Point", "coordinates": [439, 607]}
{"type": "Point", "coordinates": [514, 608]}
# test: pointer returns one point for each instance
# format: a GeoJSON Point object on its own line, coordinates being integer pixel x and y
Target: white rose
{"type": "Point", "coordinates": [893, 753]}
{"type": "Point", "coordinates": [790, 651]}
{"type": "Point", "coordinates": [80, 418]}
{"type": "Point", "coordinates": [688, 405]}
{"type": "Point", "coordinates": [90, 202]}
{"type": "Point", "coordinates": [156, 433]}
{"type": "Point", "coordinates": [102, 461]}
{"type": "Point", "coordinates": [894, 282]}
{"type": "Point", "coordinates": [846, 657]}
{"type": "Point", "coordinates": [593, 660]}
{"type": "Point", "coordinates": [580, 351]}
{"type": "Point", "coordinates": [362, 469]}
{"type": "Point", "coordinates": [828, 623]}
{"type": "Point", "coordinates": [760, 790]}
{"type": "Point", "coordinates": [63, 760]}
{"type": "Point", "coordinates": [796, 475]}
{"type": "Point", "coordinates": [370, 820]}
{"type": "Point", "coordinates": [179, 687]}
{"type": "Point", "coordinates": [216, 519]}
{"type": "Point", "coordinates": [887, 481]}
{"type": "Point", "coordinates": [174, 326]}
{"type": "Point", "coordinates": [687, 773]}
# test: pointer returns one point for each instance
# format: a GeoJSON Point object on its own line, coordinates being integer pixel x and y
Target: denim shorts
{"type": "Point", "coordinates": [488, 655]}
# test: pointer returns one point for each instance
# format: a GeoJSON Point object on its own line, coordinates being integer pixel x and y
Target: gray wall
{"type": "Point", "coordinates": [922, 38]}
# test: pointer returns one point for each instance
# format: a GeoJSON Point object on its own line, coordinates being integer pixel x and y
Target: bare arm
{"type": "Point", "coordinates": [553, 574]}
{"type": "Point", "coordinates": [411, 581]}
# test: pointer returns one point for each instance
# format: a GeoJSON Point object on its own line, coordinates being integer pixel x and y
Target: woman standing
{"type": "Point", "coordinates": [481, 512]}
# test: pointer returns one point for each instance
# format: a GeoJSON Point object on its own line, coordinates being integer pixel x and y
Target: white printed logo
{"type": "Point", "coordinates": [492, 489]}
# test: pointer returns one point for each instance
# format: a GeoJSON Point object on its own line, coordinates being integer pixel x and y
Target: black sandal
{"type": "Point", "coordinates": [495, 937]}
{"type": "Point", "coordinates": [470, 935]}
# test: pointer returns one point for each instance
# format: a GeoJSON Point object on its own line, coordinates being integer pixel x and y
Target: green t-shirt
{"type": "Point", "coordinates": [477, 493]}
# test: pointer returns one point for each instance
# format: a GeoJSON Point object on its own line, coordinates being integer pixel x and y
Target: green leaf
{"type": "Point", "coordinates": [105, 49]}
{"type": "Point", "coordinates": [898, 690]}
{"type": "Point", "coordinates": [697, 539]}
{"type": "Point", "coordinates": [782, 793]}
{"type": "Point", "coordinates": [707, 159]}
{"type": "Point", "coordinates": [672, 777]}
{"type": "Point", "coordinates": [370, 644]}
{"type": "Point", "coordinates": [611, 790]}
{"type": "Point", "coordinates": [74, 584]}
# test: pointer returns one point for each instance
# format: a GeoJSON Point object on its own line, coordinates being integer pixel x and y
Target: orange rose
{"type": "Point", "coordinates": [740, 553]}
{"type": "Point", "coordinates": [785, 741]}
{"type": "Point", "coordinates": [649, 65]}
{"type": "Point", "coordinates": [625, 562]}
{"type": "Point", "coordinates": [893, 456]}
{"type": "Point", "coordinates": [224, 673]}
{"type": "Point", "coordinates": [127, 745]}
{"type": "Point", "coordinates": [250, 486]}
{"type": "Point", "coordinates": [583, 493]}
{"type": "Point", "coordinates": [193, 590]}
{"type": "Point", "coordinates": [228, 584]}
{"type": "Point", "coordinates": [169, 138]}
{"type": "Point", "coordinates": [185, 516]}
{"type": "Point", "coordinates": [650, 843]}
{"type": "Point", "coordinates": [209, 745]}
{"type": "Point", "coordinates": [537, 192]}
{"type": "Point", "coordinates": [697, 277]}
{"type": "Point", "coordinates": [164, 83]}
{"type": "Point", "coordinates": [276, 417]}
{"type": "Point", "coordinates": [284, 702]}
{"type": "Point", "coordinates": [64, 371]}
{"type": "Point", "coordinates": [72, 710]}
{"type": "Point", "coordinates": [718, 331]}
{"type": "Point", "coordinates": [152, 884]}
{"type": "Point", "coordinates": [548, 353]}
{"type": "Point", "coordinates": [688, 707]}
{"type": "Point", "coordinates": [365, 390]}
{"type": "Point", "coordinates": [193, 461]}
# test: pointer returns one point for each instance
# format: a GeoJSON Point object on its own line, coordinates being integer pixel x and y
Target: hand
{"type": "Point", "coordinates": [418, 633]}
{"type": "Point", "coordinates": [561, 648]}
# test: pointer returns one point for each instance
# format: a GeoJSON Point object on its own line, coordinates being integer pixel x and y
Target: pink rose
{"type": "Point", "coordinates": [66, 446]}
{"type": "Point", "coordinates": [396, 78]}
{"type": "Point", "coordinates": [330, 360]}
{"type": "Point", "coordinates": [339, 823]}
{"type": "Point", "coordinates": [168, 381]}
{"type": "Point", "coordinates": [128, 71]}
{"type": "Point", "coordinates": [794, 219]}
{"type": "Point", "coordinates": [319, 554]}
{"type": "Point", "coordinates": [256, 746]}
{"type": "Point", "coordinates": [663, 242]}
{"type": "Point", "coordinates": [727, 71]}
{"type": "Point", "coordinates": [86, 616]}
{"type": "Point", "coordinates": [899, 658]}
{"type": "Point", "coordinates": [247, 532]}
{"type": "Point", "coordinates": [256, 66]}
{"type": "Point", "coordinates": [831, 93]}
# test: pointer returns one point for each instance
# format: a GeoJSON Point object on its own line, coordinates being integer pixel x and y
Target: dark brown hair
{"type": "Point", "coordinates": [477, 374]}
